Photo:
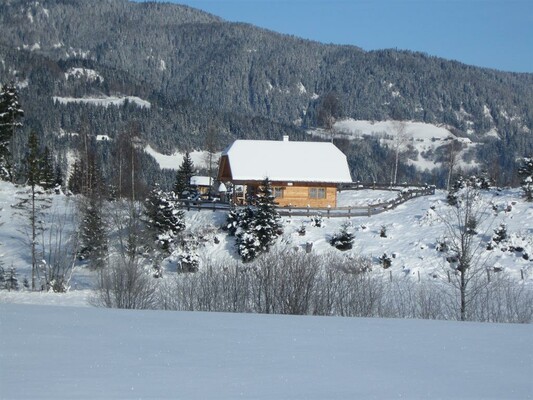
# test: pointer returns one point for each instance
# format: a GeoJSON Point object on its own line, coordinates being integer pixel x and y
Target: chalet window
{"type": "Point", "coordinates": [278, 192]}
{"type": "Point", "coordinates": [317, 193]}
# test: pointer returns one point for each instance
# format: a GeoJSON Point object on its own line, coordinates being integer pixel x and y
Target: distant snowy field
{"type": "Point", "coordinates": [104, 101]}
{"type": "Point", "coordinates": [87, 353]}
{"type": "Point", "coordinates": [425, 138]}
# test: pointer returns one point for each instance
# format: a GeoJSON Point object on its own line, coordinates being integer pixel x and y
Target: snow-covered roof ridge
{"type": "Point", "coordinates": [287, 161]}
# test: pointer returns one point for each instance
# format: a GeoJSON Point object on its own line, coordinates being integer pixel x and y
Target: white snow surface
{"type": "Point", "coordinates": [201, 180]}
{"type": "Point", "coordinates": [423, 137]}
{"type": "Point", "coordinates": [104, 101]}
{"type": "Point", "coordinates": [282, 160]}
{"type": "Point", "coordinates": [174, 160]}
{"type": "Point", "coordinates": [65, 353]}
{"type": "Point", "coordinates": [89, 74]}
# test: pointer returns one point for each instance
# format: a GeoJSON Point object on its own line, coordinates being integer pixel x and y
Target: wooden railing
{"type": "Point", "coordinates": [405, 193]}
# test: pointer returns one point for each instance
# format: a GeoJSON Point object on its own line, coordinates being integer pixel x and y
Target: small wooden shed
{"type": "Point", "coordinates": [302, 173]}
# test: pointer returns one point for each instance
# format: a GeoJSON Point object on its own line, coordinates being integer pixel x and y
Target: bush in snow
{"type": "Point", "coordinates": [343, 240]}
{"type": "Point", "coordinates": [383, 231]}
{"type": "Point", "coordinates": [385, 261]}
{"type": "Point", "coordinates": [248, 246]}
{"type": "Point", "coordinates": [189, 260]}
{"type": "Point", "coordinates": [316, 220]}
{"type": "Point", "coordinates": [500, 234]}
{"type": "Point", "coordinates": [473, 182]}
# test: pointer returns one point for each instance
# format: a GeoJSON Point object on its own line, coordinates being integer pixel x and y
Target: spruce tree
{"type": "Point", "coordinates": [10, 114]}
{"type": "Point", "coordinates": [47, 174]}
{"type": "Point", "coordinates": [525, 171]}
{"type": "Point", "coordinates": [93, 232]}
{"type": "Point", "coordinates": [35, 204]}
{"type": "Point", "coordinates": [183, 176]}
{"type": "Point", "coordinates": [266, 220]}
{"type": "Point", "coordinates": [163, 217]}
{"type": "Point", "coordinates": [11, 280]}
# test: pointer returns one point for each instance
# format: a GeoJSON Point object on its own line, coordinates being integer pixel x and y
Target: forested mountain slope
{"type": "Point", "coordinates": [198, 71]}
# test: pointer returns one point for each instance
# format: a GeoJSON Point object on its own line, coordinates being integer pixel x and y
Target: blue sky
{"type": "Point", "coordinates": [487, 33]}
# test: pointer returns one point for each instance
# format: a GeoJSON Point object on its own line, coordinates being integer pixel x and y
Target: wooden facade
{"type": "Point", "coordinates": [295, 194]}
{"type": "Point", "coordinates": [302, 174]}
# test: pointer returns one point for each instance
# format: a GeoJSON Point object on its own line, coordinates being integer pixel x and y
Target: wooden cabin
{"type": "Point", "coordinates": [302, 173]}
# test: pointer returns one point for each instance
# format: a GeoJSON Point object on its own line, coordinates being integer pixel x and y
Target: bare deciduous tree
{"type": "Point", "coordinates": [466, 249]}
{"type": "Point", "coordinates": [400, 139]}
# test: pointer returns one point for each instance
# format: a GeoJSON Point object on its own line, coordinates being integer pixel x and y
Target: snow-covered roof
{"type": "Point", "coordinates": [287, 161]}
{"type": "Point", "coordinates": [201, 180]}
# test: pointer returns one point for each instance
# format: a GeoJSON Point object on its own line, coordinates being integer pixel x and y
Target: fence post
{"type": "Point", "coordinates": [349, 213]}
{"type": "Point", "coordinates": [390, 275]}
{"type": "Point", "coordinates": [418, 275]}
{"type": "Point", "coordinates": [522, 273]}
{"type": "Point", "coordinates": [329, 209]}
{"type": "Point", "coordinates": [488, 275]}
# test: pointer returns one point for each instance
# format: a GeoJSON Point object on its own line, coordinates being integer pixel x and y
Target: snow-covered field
{"type": "Point", "coordinates": [87, 353]}
{"type": "Point", "coordinates": [423, 137]}
{"type": "Point", "coordinates": [173, 161]}
{"type": "Point", "coordinates": [54, 352]}
{"type": "Point", "coordinates": [104, 101]}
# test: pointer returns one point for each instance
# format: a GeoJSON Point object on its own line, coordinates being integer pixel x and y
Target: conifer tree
{"type": "Point", "coordinates": [32, 162]}
{"type": "Point", "coordinates": [163, 217]}
{"type": "Point", "coordinates": [11, 280]}
{"type": "Point", "coordinates": [256, 228]}
{"type": "Point", "coordinates": [183, 176]}
{"type": "Point", "coordinates": [10, 114]}
{"type": "Point", "coordinates": [47, 174]}
{"type": "Point", "coordinates": [525, 171]}
{"type": "Point", "coordinates": [93, 232]}
{"type": "Point", "coordinates": [266, 220]}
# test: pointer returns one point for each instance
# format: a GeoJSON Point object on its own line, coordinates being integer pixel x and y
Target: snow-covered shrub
{"type": "Point", "coordinates": [383, 231]}
{"type": "Point", "coordinates": [500, 235]}
{"type": "Point", "coordinates": [301, 230]}
{"type": "Point", "coordinates": [248, 245]}
{"type": "Point", "coordinates": [189, 260]}
{"type": "Point", "coordinates": [343, 240]}
{"type": "Point", "coordinates": [442, 245]}
{"type": "Point", "coordinates": [317, 220]}
{"type": "Point", "coordinates": [385, 261]}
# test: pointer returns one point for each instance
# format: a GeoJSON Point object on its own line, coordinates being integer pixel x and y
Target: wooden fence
{"type": "Point", "coordinates": [405, 193]}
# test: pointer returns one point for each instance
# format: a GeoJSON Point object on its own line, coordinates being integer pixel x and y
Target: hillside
{"type": "Point", "coordinates": [197, 72]}
{"type": "Point", "coordinates": [414, 232]}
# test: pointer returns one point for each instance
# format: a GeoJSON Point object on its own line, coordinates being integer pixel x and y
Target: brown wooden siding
{"type": "Point", "coordinates": [297, 195]}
